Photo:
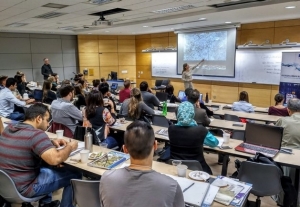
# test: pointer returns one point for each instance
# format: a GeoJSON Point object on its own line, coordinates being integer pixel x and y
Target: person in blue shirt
{"type": "Point", "coordinates": [243, 103]}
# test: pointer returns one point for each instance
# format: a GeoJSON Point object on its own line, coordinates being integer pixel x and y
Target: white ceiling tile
{"type": "Point", "coordinates": [10, 3]}
{"type": "Point", "coordinates": [76, 7]}
{"type": "Point", "coordinates": [12, 12]}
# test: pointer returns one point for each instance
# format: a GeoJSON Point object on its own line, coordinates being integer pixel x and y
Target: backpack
{"type": "Point", "coordinates": [290, 193]}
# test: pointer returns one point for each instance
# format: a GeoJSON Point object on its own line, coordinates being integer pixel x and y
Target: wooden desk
{"type": "Point", "coordinates": [253, 116]}
{"type": "Point", "coordinates": [225, 106]}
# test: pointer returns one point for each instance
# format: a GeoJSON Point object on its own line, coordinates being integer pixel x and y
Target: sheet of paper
{"type": "Point", "coordinates": [210, 196]}
{"type": "Point", "coordinates": [221, 141]}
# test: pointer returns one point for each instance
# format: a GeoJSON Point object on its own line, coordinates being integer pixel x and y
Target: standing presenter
{"type": "Point", "coordinates": [187, 73]}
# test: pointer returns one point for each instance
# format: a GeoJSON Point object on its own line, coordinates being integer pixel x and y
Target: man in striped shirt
{"type": "Point", "coordinates": [24, 147]}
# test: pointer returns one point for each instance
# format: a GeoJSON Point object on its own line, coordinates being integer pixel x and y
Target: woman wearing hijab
{"type": "Point", "coordinates": [187, 138]}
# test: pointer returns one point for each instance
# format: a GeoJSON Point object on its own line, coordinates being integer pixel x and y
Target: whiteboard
{"type": "Point", "coordinates": [251, 65]}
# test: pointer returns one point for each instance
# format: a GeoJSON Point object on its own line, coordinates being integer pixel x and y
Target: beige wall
{"type": "Point", "coordinates": [125, 53]}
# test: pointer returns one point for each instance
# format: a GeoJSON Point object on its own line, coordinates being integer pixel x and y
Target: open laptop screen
{"type": "Point", "coordinates": [263, 135]}
{"type": "Point", "coordinates": [181, 94]}
{"type": "Point", "coordinates": [114, 86]}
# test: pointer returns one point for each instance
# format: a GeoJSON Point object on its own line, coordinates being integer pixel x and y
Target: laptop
{"type": "Point", "coordinates": [181, 94]}
{"type": "Point", "coordinates": [262, 138]}
{"type": "Point", "coordinates": [114, 86]}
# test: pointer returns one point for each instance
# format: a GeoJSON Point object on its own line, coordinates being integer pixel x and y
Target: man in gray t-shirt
{"type": "Point", "coordinates": [138, 184]}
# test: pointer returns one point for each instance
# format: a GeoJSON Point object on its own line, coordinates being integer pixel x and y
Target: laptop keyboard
{"type": "Point", "coordinates": [259, 149]}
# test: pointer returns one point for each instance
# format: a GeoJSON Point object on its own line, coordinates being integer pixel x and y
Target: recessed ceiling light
{"type": "Point", "coordinates": [106, 31]}
{"type": "Point", "coordinates": [145, 26]}
{"type": "Point", "coordinates": [202, 19]}
{"type": "Point", "coordinates": [227, 22]}
{"type": "Point", "coordinates": [290, 7]}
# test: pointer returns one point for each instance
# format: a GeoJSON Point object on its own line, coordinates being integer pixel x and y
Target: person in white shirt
{"type": "Point", "coordinates": [8, 101]}
{"type": "Point", "coordinates": [243, 104]}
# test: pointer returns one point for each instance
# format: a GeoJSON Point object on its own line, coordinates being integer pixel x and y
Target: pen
{"type": "Point", "coordinates": [188, 187]}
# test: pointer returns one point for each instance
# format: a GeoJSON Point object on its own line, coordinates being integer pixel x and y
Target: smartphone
{"type": "Point", "coordinates": [226, 147]}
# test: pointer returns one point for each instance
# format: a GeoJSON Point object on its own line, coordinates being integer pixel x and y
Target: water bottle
{"type": "Point", "coordinates": [206, 98]}
{"type": "Point", "coordinates": [164, 109]}
{"type": "Point", "coordinates": [88, 140]}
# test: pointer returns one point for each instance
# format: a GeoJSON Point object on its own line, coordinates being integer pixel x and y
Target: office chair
{"type": "Point", "coordinates": [230, 117]}
{"type": "Point", "coordinates": [161, 96]}
{"type": "Point", "coordinates": [159, 120]}
{"type": "Point", "coordinates": [165, 82]}
{"type": "Point", "coordinates": [191, 164]}
{"type": "Point", "coordinates": [85, 193]}
{"type": "Point", "coordinates": [265, 179]}
{"type": "Point", "coordinates": [10, 193]}
{"type": "Point", "coordinates": [238, 134]}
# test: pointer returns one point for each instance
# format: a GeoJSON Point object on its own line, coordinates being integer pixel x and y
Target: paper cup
{"type": "Point", "coordinates": [103, 144]}
{"type": "Point", "coordinates": [84, 156]}
{"type": "Point", "coordinates": [181, 170]}
{"type": "Point", "coordinates": [226, 138]}
{"type": "Point", "coordinates": [59, 133]}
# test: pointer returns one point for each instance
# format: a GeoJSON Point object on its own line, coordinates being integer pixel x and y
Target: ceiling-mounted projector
{"type": "Point", "coordinates": [102, 21]}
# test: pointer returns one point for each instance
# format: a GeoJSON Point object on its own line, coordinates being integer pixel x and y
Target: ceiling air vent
{"type": "Point", "coordinates": [55, 6]}
{"type": "Point", "coordinates": [50, 15]}
{"type": "Point", "coordinates": [16, 24]}
{"type": "Point", "coordinates": [102, 1]}
{"type": "Point", "coordinates": [174, 9]}
{"type": "Point", "coordinates": [234, 3]}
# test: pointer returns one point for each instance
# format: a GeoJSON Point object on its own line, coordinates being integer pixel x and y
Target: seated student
{"type": "Point", "coordinates": [186, 91]}
{"type": "Point", "coordinates": [3, 79]}
{"type": "Point", "coordinates": [21, 83]}
{"type": "Point", "coordinates": [243, 103]}
{"type": "Point", "coordinates": [25, 146]}
{"type": "Point", "coordinates": [170, 91]}
{"type": "Point", "coordinates": [134, 107]}
{"type": "Point", "coordinates": [187, 138]}
{"type": "Point", "coordinates": [8, 101]}
{"type": "Point", "coordinates": [75, 80]}
{"type": "Point", "coordinates": [291, 135]}
{"type": "Point", "coordinates": [138, 184]}
{"type": "Point", "coordinates": [98, 115]}
{"type": "Point", "coordinates": [80, 76]}
{"type": "Point", "coordinates": [150, 99]}
{"type": "Point", "coordinates": [48, 95]}
{"type": "Point", "coordinates": [125, 92]}
{"type": "Point", "coordinates": [65, 82]}
{"type": "Point", "coordinates": [53, 83]}
{"type": "Point", "coordinates": [278, 109]}
{"type": "Point", "coordinates": [96, 84]}
{"type": "Point", "coordinates": [79, 94]}
{"type": "Point", "coordinates": [84, 86]}
{"type": "Point", "coordinates": [104, 89]}
{"type": "Point", "coordinates": [102, 80]}
{"type": "Point", "coordinates": [63, 111]}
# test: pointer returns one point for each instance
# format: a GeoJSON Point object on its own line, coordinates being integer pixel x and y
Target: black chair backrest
{"type": "Point", "coordinates": [165, 82]}
{"type": "Point", "coordinates": [158, 82]}
{"type": "Point", "coordinates": [238, 134]}
{"type": "Point", "coordinates": [230, 117]}
{"type": "Point", "coordinates": [162, 96]}
{"type": "Point", "coordinates": [159, 120]}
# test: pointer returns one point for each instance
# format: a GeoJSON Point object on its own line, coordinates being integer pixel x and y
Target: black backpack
{"type": "Point", "coordinates": [290, 193]}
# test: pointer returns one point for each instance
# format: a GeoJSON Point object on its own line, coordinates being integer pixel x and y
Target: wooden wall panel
{"type": "Point", "coordinates": [224, 94]}
{"type": "Point", "coordinates": [88, 59]}
{"type": "Point", "coordinates": [143, 71]}
{"type": "Point", "coordinates": [160, 42]}
{"type": "Point", "coordinates": [126, 45]}
{"type": "Point", "coordinates": [87, 37]}
{"type": "Point", "coordinates": [89, 77]}
{"type": "Point", "coordinates": [143, 58]}
{"type": "Point", "coordinates": [143, 36]}
{"type": "Point", "coordinates": [238, 37]}
{"type": "Point", "coordinates": [258, 25]}
{"type": "Point", "coordinates": [108, 46]}
{"type": "Point", "coordinates": [127, 58]}
{"type": "Point", "coordinates": [126, 37]}
{"type": "Point", "coordinates": [173, 41]}
{"type": "Point", "coordinates": [142, 44]}
{"type": "Point", "coordinates": [283, 33]}
{"type": "Point", "coordinates": [274, 91]}
{"type": "Point", "coordinates": [164, 34]}
{"type": "Point", "coordinates": [257, 36]}
{"type": "Point", "coordinates": [109, 59]}
{"type": "Point", "coordinates": [286, 23]}
{"type": "Point", "coordinates": [130, 72]}
{"type": "Point", "coordinates": [107, 37]}
{"type": "Point", "coordinates": [105, 70]}
{"type": "Point", "coordinates": [86, 46]}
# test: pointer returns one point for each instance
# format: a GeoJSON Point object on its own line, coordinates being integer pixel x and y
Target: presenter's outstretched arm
{"type": "Point", "coordinates": [202, 61]}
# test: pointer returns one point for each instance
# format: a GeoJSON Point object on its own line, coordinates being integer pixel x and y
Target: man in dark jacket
{"type": "Point", "coordinates": [46, 69]}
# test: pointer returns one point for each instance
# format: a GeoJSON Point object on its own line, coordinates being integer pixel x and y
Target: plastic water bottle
{"type": "Point", "coordinates": [88, 140]}
{"type": "Point", "coordinates": [164, 109]}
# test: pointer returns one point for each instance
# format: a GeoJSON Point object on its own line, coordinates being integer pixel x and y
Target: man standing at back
{"type": "Point", "coordinates": [125, 93]}
{"type": "Point", "coordinates": [148, 98]}
{"type": "Point", "coordinates": [138, 184]}
{"type": "Point", "coordinates": [291, 135]}
{"type": "Point", "coordinates": [24, 146]}
{"type": "Point", "coordinates": [46, 69]}
{"type": "Point", "coordinates": [63, 111]}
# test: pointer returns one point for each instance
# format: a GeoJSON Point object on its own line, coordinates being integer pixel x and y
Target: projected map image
{"type": "Point", "coordinates": [207, 45]}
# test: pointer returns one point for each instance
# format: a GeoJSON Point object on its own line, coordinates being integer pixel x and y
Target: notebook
{"type": "Point", "coordinates": [262, 138]}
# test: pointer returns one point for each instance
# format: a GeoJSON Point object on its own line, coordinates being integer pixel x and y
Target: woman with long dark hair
{"type": "Point", "coordinates": [99, 116]}
{"type": "Point", "coordinates": [187, 73]}
{"type": "Point", "coordinates": [21, 83]}
{"type": "Point", "coordinates": [48, 95]}
{"type": "Point", "coordinates": [80, 96]}
{"type": "Point", "coordinates": [134, 107]}
{"type": "Point", "coordinates": [278, 109]}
